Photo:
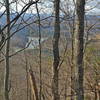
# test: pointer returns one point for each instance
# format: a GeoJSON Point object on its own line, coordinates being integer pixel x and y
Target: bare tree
{"type": "Point", "coordinates": [6, 80]}
{"type": "Point", "coordinates": [40, 65]}
{"type": "Point", "coordinates": [56, 37]}
{"type": "Point", "coordinates": [78, 48]}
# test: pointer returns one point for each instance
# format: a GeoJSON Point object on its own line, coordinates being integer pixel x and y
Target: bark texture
{"type": "Point", "coordinates": [72, 65]}
{"type": "Point", "coordinates": [6, 76]}
{"type": "Point", "coordinates": [56, 37]}
{"type": "Point", "coordinates": [78, 48]}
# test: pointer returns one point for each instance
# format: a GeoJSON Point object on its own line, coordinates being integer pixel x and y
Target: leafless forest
{"type": "Point", "coordinates": [49, 49]}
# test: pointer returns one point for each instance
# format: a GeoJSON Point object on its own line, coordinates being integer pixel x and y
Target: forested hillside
{"type": "Point", "coordinates": [50, 50]}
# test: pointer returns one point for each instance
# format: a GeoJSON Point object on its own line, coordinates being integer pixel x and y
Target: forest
{"type": "Point", "coordinates": [49, 49]}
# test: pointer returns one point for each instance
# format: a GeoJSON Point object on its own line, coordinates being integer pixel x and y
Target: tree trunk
{"type": "Point", "coordinates": [40, 53]}
{"type": "Point", "coordinates": [55, 88]}
{"type": "Point", "coordinates": [95, 95]}
{"type": "Point", "coordinates": [99, 94]}
{"type": "Point", "coordinates": [72, 65]}
{"type": "Point", "coordinates": [78, 49]}
{"type": "Point", "coordinates": [6, 77]}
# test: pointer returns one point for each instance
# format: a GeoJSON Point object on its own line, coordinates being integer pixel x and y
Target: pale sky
{"type": "Point", "coordinates": [47, 6]}
{"type": "Point", "coordinates": [94, 5]}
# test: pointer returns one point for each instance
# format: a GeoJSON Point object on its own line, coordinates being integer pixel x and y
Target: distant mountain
{"type": "Point", "coordinates": [92, 17]}
{"type": "Point", "coordinates": [20, 38]}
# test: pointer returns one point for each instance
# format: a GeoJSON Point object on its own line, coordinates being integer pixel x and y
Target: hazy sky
{"type": "Point", "coordinates": [95, 4]}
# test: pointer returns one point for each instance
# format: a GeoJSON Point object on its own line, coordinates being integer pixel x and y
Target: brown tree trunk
{"type": "Point", "coordinates": [6, 76]}
{"type": "Point", "coordinates": [99, 94]}
{"type": "Point", "coordinates": [55, 88]}
{"type": "Point", "coordinates": [78, 49]}
{"type": "Point", "coordinates": [95, 98]}
{"type": "Point", "coordinates": [40, 53]}
{"type": "Point", "coordinates": [27, 80]}
{"type": "Point", "coordinates": [72, 64]}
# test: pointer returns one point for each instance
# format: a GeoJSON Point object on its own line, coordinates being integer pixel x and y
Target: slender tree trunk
{"type": "Point", "coordinates": [40, 53]}
{"type": "Point", "coordinates": [95, 94]}
{"type": "Point", "coordinates": [65, 96]}
{"type": "Point", "coordinates": [99, 94]}
{"type": "Point", "coordinates": [6, 77]}
{"type": "Point", "coordinates": [56, 37]}
{"type": "Point", "coordinates": [72, 65]}
{"type": "Point", "coordinates": [27, 81]}
{"type": "Point", "coordinates": [72, 74]}
{"type": "Point", "coordinates": [30, 93]}
{"type": "Point", "coordinates": [78, 49]}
